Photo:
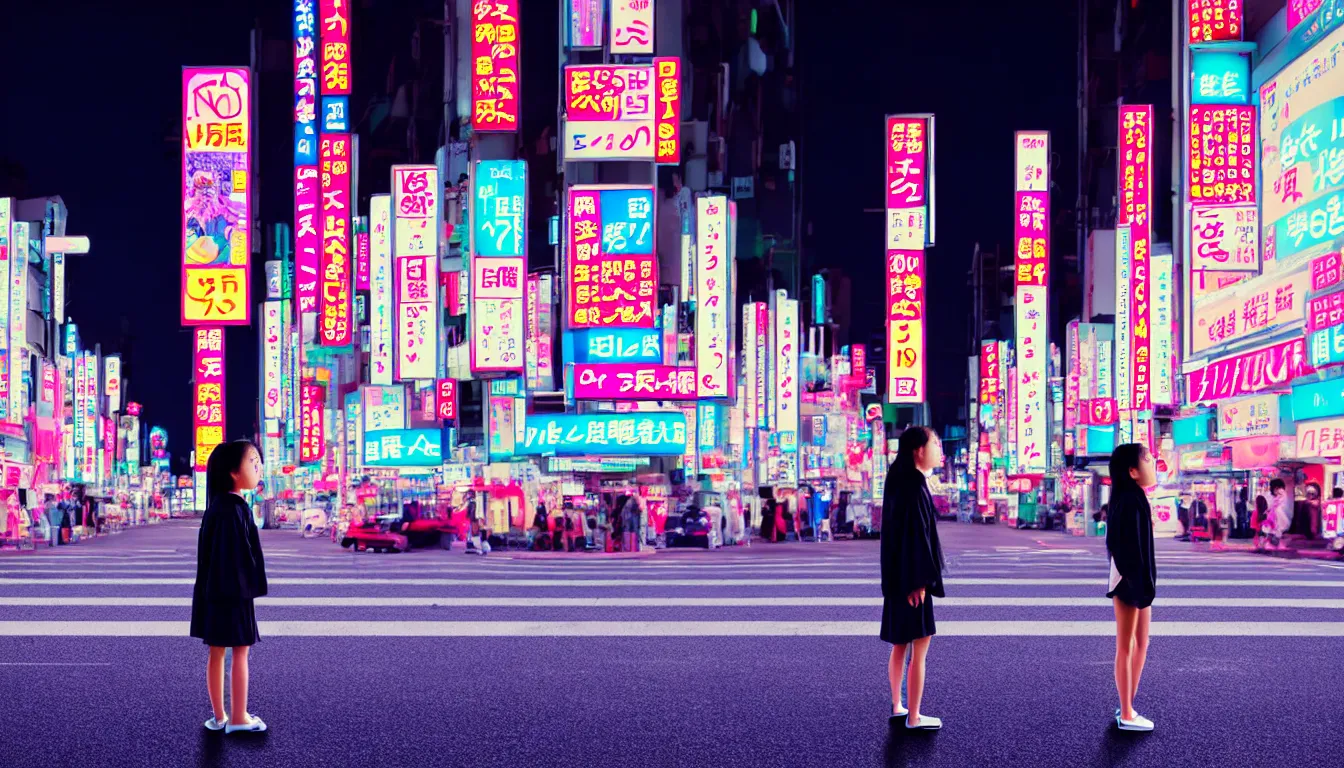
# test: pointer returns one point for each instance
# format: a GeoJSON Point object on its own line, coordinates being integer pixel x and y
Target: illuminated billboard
{"type": "Point", "coordinates": [714, 300]}
{"type": "Point", "coordinates": [380, 289]}
{"type": "Point", "coordinates": [628, 434]}
{"type": "Point", "coordinates": [1134, 258]}
{"type": "Point", "coordinates": [1031, 237]}
{"type": "Point", "coordinates": [216, 195]}
{"type": "Point", "coordinates": [495, 66]}
{"type": "Point", "coordinates": [497, 313]}
{"type": "Point", "coordinates": [416, 224]}
{"type": "Point", "coordinates": [613, 111]}
{"type": "Point", "coordinates": [632, 26]}
{"type": "Point", "coordinates": [905, 326]}
{"type": "Point", "coordinates": [333, 305]}
{"type": "Point", "coordinates": [208, 371]}
{"type": "Point", "coordinates": [612, 270]}
{"type": "Point", "coordinates": [499, 208]}
{"type": "Point", "coordinates": [272, 335]}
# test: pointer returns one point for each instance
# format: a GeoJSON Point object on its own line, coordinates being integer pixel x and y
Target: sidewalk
{"type": "Point", "coordinates": [1058, 539]}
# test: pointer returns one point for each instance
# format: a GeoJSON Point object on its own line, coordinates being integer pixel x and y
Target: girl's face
{"type": "Point", "coordinates": [931, 455]}
{"type": "Point", "coordinates": [248, 474]}
{"type": "Point", "coordinates": [1145, 474]}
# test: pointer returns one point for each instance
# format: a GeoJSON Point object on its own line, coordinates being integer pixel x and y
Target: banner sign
{"type": "Point", "coordinates": [1099, 412]}
{"type": "Point", "coordinates": [13, 297]}
{"type": "Point", "coordinates": [112, 382]}
{"type": "Point", "coordinates": [713, 298]}
{"type": "Point", "coordinates": [632, 26]}
{"type": "Point", "coordinates": [307, 236]}
{"type": "Point", "coordinates": [216, 197]}
{"type": "Point", "coordinates": [1253, 307]}
{"type": "Point", "coordinates": [906, 199]}
{"type": "Point", "coordinates": [1220, 77]}
{"type": "Point", "coordinates": [415, 253]}
{"type": "Point", "coordinates": [1302, 109]}
{"type": "Point", "coordinates": [612, 272]}
{"type": "Point", "coordinates": [1320, 439]}
{"type": "Point", "coordinates": [1136, 176]}
{"type": "Point", "coordinates": [499, 213]}
{"type": "Point", "coordinates": [496, 66]}
{"type": "Point", "coordinates": [271, 334]}
{"type": "Point", "coordinates": [208, 373]}
{"type": "Point", "coordinates": [1325, 311]}
{"type": "Point", "coordinates": [403, 448]}
{"type": "Point", "coordinates": [1031, 227]}
{"type": "Point", "coordinates": [305, 84]}
{"type": "Point", "coordinates": [1249, 372]}
{"type": "Point", "coordinates": [1222, 154]}
{"type": "Point", "coordinates": [333, 306]}
{"type": "Point", "coordinates": [764, 413]}
{"type": "Point", "coordinates": [380, 289]}
{"type": "Point", "coordinates": [1326, 271]}
{"type": "Point", "coordinates": [362, 261]}
{"type": "Point", "coordinates": [312, 439]}
{"type": "Point", "coordinates": [628, 434]}
{"type": "Point", "coordinates": [1251, 417]}
{"type": "Point", "coordinates": [586, 22]}
{"type": "Point", "coordinates": [905, 327]}
{"type": "Point", "coordinates": [383, 407]}
{"type": "Point", "coordinates": [1327, 346]}
{"type": "Point", "coordinates": [334, 18]}
{"type": "Point", "coordinates": [787, 346]}
{"type": "Point", "coordinates": [497, 313]}
{"type": "Point", "coordinates": [617, 345]}
{"type": "Point", "coordinates": [1225, 238]}
{"type": "Point", "coordinates": [990, 368]}
{"type": "Point", "coordinates": [613, 111]}
{"type": "Point", "coordinates": [1163, 323]}
{"type": "Point", "coordinates": [447, 400]}
{"type": "Point", "coordinates": [667, 121]}
{"type": "Point", "coordinates": [633, 381]}
{"type": "Point", "coordinates": [1216, 21]}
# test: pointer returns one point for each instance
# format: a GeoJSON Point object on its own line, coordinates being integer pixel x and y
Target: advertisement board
{"type": "Point", "coordinates": [1225, 238]}
{"type": "Point", "coordinates": [334, 25]}
{"type": "Point", "coordinates": [416, 225]}
{"type": "Point", "coordinates": [305, 83]}
{"type": "Point", "coordinates": [497, 66]}
{"type": "Point", "coordinates": [381, 344]}
{"type": "Point", "coordinates": [216, 196]}
{"type": "Point", "coordinates": [334, 290]}
{"type": "Point", "coordinates": [1031, 237]}
{"type": "Point", "coordinates": [1255, 306]}
{"type": "Point", "coordinates": [632, 26]}
{"type": "Point", "coordinates": [616, 345]}
{"type": "Point", "coordinates": [1248, 417]}
{"type": "Point", "coordinates": [907, 180]}
{"type": "Point", "coordinates": [714, 301]}
{"type": "Point", "coordinates": [1221, 155]}
{"type": "Point", "coordinates": [208, 392]}
{"type": "Point", "coordinates": [272, 407]}
{"type": "Point", "coordinates": [788, 342]}
{"type": "Point", "coordinates": [633, 381]}
{"type": "Point", "coordinates": [499, 208]}
{"type": "Point", "coordinates": [905, 327]}
{"type": "Point", "coordinates": [1246, 373]}
{"type": "Point", "coordinates": [403, 448]}
{"type": "Point", "coordinates": [611, 267]}
{"type": "Point", "coordinates": [497, 313]}
{"type": "Point", "coordinates": [628, 434]}
{"type": "Point", "coordinates": [307, 235]}
{"type": "Point", "coordinates": [612, 111]}
{"type": "Point", "coordinates": [312, 438]}
{"type": "Point", "coordinates": [1135, 198]}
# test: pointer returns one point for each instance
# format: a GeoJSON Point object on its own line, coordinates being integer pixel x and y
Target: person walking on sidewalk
{"type": "Point", "coordinates": [1280, 513]}
{"type": "Point", "coordinates": [230, 575]}
{"type": "Point", "coordinates": [1133, 582]}
{"type": "Point", "coordinates": [912, 569]}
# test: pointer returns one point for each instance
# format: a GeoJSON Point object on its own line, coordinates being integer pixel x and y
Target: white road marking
{"type": "Point", "coordinates": [372, 580]}
{"type": "Point", "coordinates": [675, 602]}
{"type": "Point", "coordinates": [179, 629]}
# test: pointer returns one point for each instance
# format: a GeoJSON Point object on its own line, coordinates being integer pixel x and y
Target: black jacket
{"type": "Point", "coordinates": [1129, 541]}
{"type": "Point", "coordinates": [229, 564]}
{"type": "Point", "coordinates": [912, 556]}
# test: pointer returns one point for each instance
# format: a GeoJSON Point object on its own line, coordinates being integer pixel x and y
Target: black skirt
{"type": "Point", "coordinates": [902, 623]}
{"type": "Point", "coordinates": [224, 623]}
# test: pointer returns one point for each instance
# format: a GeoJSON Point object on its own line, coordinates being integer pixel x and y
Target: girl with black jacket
{"type": "Point", "coordinates": [912, 567]}
{"type": "Point", "coordinates": [1133, 582]}
{"type": "Point", "coordinates": [230, 574]}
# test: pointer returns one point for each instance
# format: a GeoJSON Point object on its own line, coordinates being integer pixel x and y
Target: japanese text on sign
{"type": "Point", "coordinates": [216, 197]}
{"type": "Point", "coordinates": [380, 289]}
{"type": "Point", "coordinates": [636, 434]}
{"type": "Point", "coordinates": [499, 220]}
{"type": "Point", "coordinates": [667, 121]}
{"type": "Point", "coordinates": [208, 401]}
{"type": "Point", "coordinates": [1225, 238]}
{"type": "Point", "coordinates": [271, 345]}
{"type": "Point", "coordinates": [497, 313]}
{"type": "Point", "coordinates": [307, 237]}
{"type": "Point", "coordinates": [334, 22]}
{"type": "Point", "coordinates": [1249, 372]}
{"type": "Point", "coordinates": [613, 275]}
{"type": "Point", "coordinates": [305, 83]}
{"type": "Point", "coordinates": [403, 448]}
{"type": "Point", "coordinates": [446, 399]}
{"type": "Point", "coordinates": [333, 327]}
{"type": "Point", "coordinates": [1213, 21]}
{"type": "Point", "coordinates": [632, 26]}
{"type": "Point", "coordinates": [312, 437]}
{"type": "Point", "coordinates": [1136, 174]}
{"type": "Point", "coordinates": [1259, 305]}
{"type": "Point", "coordinates": [905, 326]}
{"type": "Point", "coordinates": [415, 251]}
{"type": "Point", "coordinates": [632, 381]}
{"type": "Point", "coordinates": [713, 299]}
{"type": "Point", "coordinates": [907, 168]}
{"type": "Point", "coordinates": [1320, 439]}
{"type": "Point", "coordinates": [1222, 154]}
{"type": "Point", "coordinates": [494, 65]}
{"type": "Point", "coordinates": [1031, 237]}
{"type": "Point", "coordinates": [989, 372]}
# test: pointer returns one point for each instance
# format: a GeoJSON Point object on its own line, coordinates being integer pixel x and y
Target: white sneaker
{"type": "Point", "coordinates": [926, 723]}
{"type": "Point", "coordinates": [214, 724]}
{"type": "Point", "coordinates": [1139, 723]}
{"type": "Point", "coordinates": [254, 725]}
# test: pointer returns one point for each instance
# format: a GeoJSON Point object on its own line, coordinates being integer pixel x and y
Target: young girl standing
{"type": "Point", "coordinates": [230, 574]}
{"type": "Point", "coordinates": [1133, 582]}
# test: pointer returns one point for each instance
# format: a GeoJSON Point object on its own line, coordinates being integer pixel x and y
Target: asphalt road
{"type": "Point", "coordinates": [765, 656]}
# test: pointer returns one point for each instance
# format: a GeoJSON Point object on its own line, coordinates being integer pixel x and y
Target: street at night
{"type": "Point", "coordinates": [759, 656]}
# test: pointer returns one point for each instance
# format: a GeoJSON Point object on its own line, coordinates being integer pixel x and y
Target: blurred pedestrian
{"type": "Point", "coordinates": [1280, 516]}
{"type": "Point", "coordinates": [230, 575]}
{"type": "Point", "coordinates": [1133, 582]}
{"type": "Point", "coordinates": [1258, 519]}
{"type": "Point", "coordinates": [912, 568]}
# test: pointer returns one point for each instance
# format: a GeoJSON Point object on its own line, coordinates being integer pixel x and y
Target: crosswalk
{"type": "Point", "coordinates": [999, 583]}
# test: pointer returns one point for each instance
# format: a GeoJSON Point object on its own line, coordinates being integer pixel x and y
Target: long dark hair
{"type": "Point", "coordinates": [219, 468]}
{"type": "Point", "coordinates": [911, 440]}
{"type": "Point", "coordinates": [1123, 459]}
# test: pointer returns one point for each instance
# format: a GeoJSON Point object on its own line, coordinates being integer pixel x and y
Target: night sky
{"type": "Point", "coordinates": [94, 120]}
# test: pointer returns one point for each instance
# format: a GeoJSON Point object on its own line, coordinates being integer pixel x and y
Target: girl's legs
{"type": "Point", "coordinates": [214, 681]}
{"type": "Point", "coordinates": [238, 710]}
{"type": "Point", "coordinates": [1126, 616]}
{"type": "Point", "coordinates": [1140, 650]}
{"type": "Point", "coordinates": [895, 672]}
{"type": "Point", "coordinates": [914, 680]}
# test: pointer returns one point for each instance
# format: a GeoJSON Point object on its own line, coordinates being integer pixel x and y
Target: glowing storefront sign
{"type": "Point", "coordinates": [6, 242]}
{"type": "Point", "coordinates": [667, 120]}
{"type": "Point", "coordinates": [1299, 11]}
{"type": "Point", "coordinates": [1302, 155]}
{"type": "Point", "coordinates": [312, 437]}
{"type": "Point", "coordinates": [1327, 346]}
{"type": "Point", "coordinates": [1225, 238]}
{"type": "Point", "coordinates": [333, 305]}
{"type": "Point", "coordinates": [1135, 182]}
{"type": "Point", "coordinates": [415, 254]}
{"type": "Point", "coordinates": [334, 20]}
{"type": "Point", "coordinates": [907, 182]}
{"type": "Point", "coordinates": [1218, 77]}
{"type": "Point", "coordinates": [633, 381]}
{"type": "Point", "coordinates": [632, 26]}
{"type": "Point", "coordinates": [614, 111]}
{"type": "Point", "coordinates": [1325, 311]}
{"type": "Point", "coordinates": [305, 84]}
{"type": "Point", "coordinates": [208, 415]}
{"type": "Point", "coordinates": [1163, 319]}
{"type": "Point", "coordinates": [307, 236]}
{"type": "Point", "coordinates": [1031, 230]}
{"type": "Point", "coordinates": [905, 327]}
{"type": "Point", "coordinates": [403, 448]}
{"type": "Point", "coordinates": [611, 267]}
{"type": "Point", "coordinates": [112, 382]}
{"type": "Point", "coordinates": [499, 213]}
{"type": "Point", "coordinates": [383, 407]}
{"type": "Point", "coordinates": [617, 345]}
{"type": "Point", "coordinates": [713, 296]}
{"type": "Point", "coordinates": [1249, 372]}
{"type": "Point", "coordinates": [380, 289]}
{"type": "Point", "coordinates": [585, 22]}
{"type": "Point", "coordinates": [497, 313]}
{"type": "Point", "coordinates": [1252, 307]}
{"type": "Point", "coordinates": [633, 434]}
{"type": "Point", "coordinates": [271, 335]}
{"type": "Point", "coordinates": [1249, 417]}
{"type": "Point", "coordinates": [1320, 439]}
{"type": "Point", "coordinates": [990, 367]}
{"type": "Point", "coordinates": [1213, 21]}
{"type": "Point", "coordinates": [495, 66]}
{"type": "Point", "coordinates": [15, 321]}
{"type": "Point", "coordinates": [1221, 154]}
{"type": "Point", "coordinates": [89, 460]}
{"type": "Point", "coordinates": [446, 400]}
{"type": "Point", "coordinates": [787, 347]}
{"type": "Point", "coordinates": [216, 206]}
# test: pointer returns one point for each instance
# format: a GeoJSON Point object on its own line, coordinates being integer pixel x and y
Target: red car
{"type": "Point", "coordinates": [375, 536]}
